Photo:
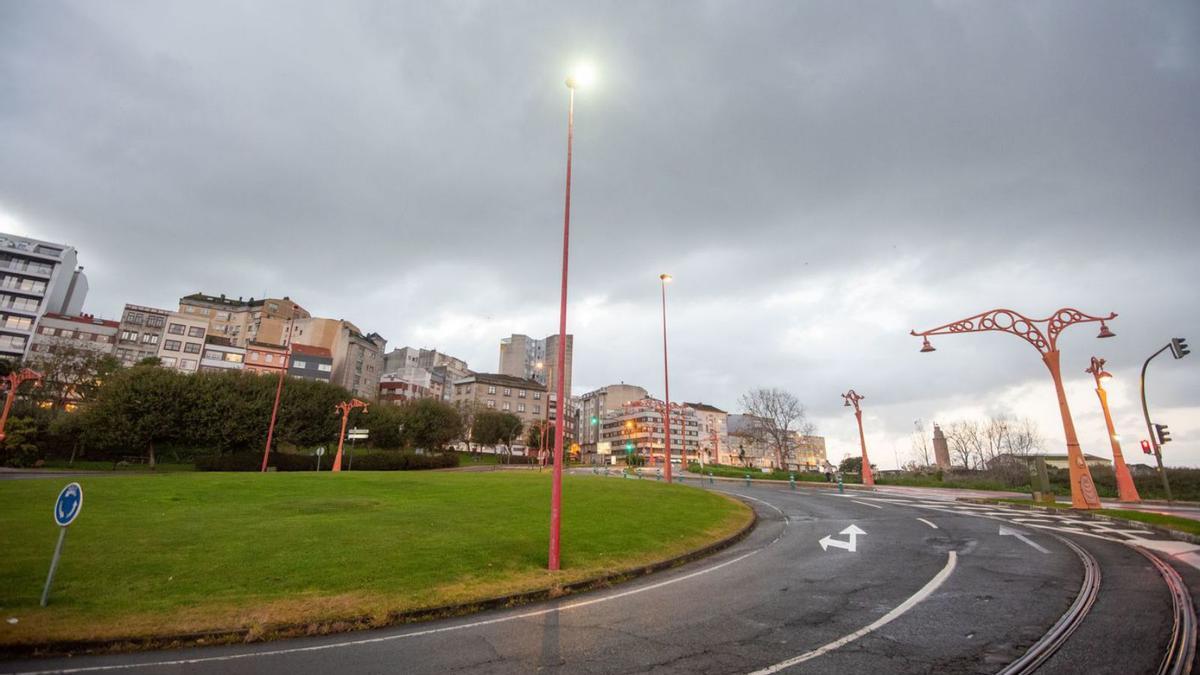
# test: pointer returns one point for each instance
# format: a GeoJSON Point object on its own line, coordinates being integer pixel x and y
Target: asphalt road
{"type": "Point", "coordinates": [930, 587]}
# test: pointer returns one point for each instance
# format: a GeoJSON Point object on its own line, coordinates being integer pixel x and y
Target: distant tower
{"type": "Point", "coordinates": [941, 451]}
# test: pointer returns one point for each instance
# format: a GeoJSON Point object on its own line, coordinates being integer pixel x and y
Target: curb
{"type": "Point", "coordinates": [366, 622]}
{"type": "Point", "coordinates": [1086, 515]}
{"type": "Point", "coordinates": [807, 484]}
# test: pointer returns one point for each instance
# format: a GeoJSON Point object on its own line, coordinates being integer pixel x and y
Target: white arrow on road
{"type": "Point", "coordinates": [851, 545]}
{"type": "Point", "coordinates": [1007, 532]}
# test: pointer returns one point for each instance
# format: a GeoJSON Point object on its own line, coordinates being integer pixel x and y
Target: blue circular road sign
{"type": "Point", "coordinates": [69, 504]}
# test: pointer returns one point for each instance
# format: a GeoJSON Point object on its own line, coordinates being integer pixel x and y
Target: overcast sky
{"type": "Point", "coordinates": [820, 178]}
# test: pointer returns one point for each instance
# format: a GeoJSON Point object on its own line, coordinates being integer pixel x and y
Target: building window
{"type": "Point", "coordinates": [27, 304]}
{"type": "Point", "coordinates": [253, 356]}
{"type": "Point", "coordinates": [537, 409]}
{"type": "Point", "coordinates": [325, 367]}
{"type": "Point", "coordinates": [507, 391]}
{"type": "Point", "coordinates": [168, 361]}
{"type": "Point", "coordinates": [196, 331]}
{"type": "Point", "coordinates": [491, 404]}
{"type": "Point", "coordinates": [155, 321]}
{"type": "Point", "coordinates": [299, 364]}
{"type": "Point", "coordinates": [233, 358]}
{"type": "Point", "coordinates": [520, 407]}
{"type": "Point", "coordinates": [171, 345]}
{"type": "Point", "coordinates": [491, 388]}
{"type": "Point", "coordinates": [135, 318]}
{"type": "Point", "coordinates": [187, 364]}
{"type": "Point", "coordinates": [24, 323]}
{"type": "Point", "coordinates": [175, 329]}
{"type": "Point", "coordinates": [507, 406]}
{"type": "Point", "coordinates": [270, 358]}
{"type": "Point", "coordinates": [129, 336]}
{"type": "Point", "coordinates": [537, 395]}
{"type": "Point", "coordinates": [149, 339]}
{"type": "Point", "coordinates": [191, 348]}
{"type": "Point", "coordinates": [520, 393]}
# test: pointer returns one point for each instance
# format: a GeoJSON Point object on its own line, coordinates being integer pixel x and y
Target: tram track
{"type": "Point", "coordinates": [1181, 649]}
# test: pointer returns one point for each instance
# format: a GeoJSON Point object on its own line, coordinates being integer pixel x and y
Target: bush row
{"type": "Point", "coordinates": [379, 461]}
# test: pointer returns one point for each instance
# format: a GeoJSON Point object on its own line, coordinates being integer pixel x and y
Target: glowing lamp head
{"type": "Point", "coordinates": [1104, 331]}
{"type": "Point", "coordinates": [582, 75]}
{"type": "Point", "coordinates": [666, 278]}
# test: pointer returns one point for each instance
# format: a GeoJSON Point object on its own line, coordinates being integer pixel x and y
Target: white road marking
{"type": "Point", "coordinates": [926, 590]}
{"type": "Point", "coordinates": [1009, 532]}
{"type": "Point", "coordinates": [428, 631]}
{"type": "Point", "coordinates": [850, 546]}
{"type": "Point", "coordinates": [928, 523]}
{"type": "Point", "coordinates": [874, 506]}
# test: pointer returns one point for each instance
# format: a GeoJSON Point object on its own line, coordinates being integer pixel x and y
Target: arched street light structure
{"type": "Point", "coordinates": [665, 279]}
{"type": "Point", "coordinates": [582, 76]}
{"type": "Point", "coordinates": [14, 380]}
{"type": "Point", "coordinates": [852, 398]}
{"type": "Point", "coordinates": [1126, 490]}
{"type": "Point", "coordinates": [345, 407]}
{"type": "Point", "coordinates": [1043, 335]}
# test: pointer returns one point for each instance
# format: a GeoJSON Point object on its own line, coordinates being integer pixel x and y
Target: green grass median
{"type": "Point", "coordinates": [201, 552]}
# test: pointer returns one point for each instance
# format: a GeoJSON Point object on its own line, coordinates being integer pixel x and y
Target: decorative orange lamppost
{"type": "Point", "coordinates": [345, 407]}
{"type": "Point", "coordinates": [1125, 487]}
{"type": "Point", "coordinates": [852, 398]}
{"type": "Point", "coordinates": [14, 381]}
{"type": "Point", "coordinates": [287, 363]}
{"type": "Point", "coordinates": [1083, 490]}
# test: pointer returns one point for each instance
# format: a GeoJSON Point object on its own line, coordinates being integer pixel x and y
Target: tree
{"type": "Point", "coordinates": [18, 448]}
{"type": "Point", "coordinates": [776, 417]}
{"type": "Point", "coordinates": [385, 424]}
{"type": "Point", "coordinates": [965, 441]}
{"type": "Point", "coordinates": [149, 361]}
{"type": "Point", "coordinates": [920, 444]}
{"type": "Point", "coordinates": [70, 374]}
{"type": "Point", "coordinates": [467, 410]}
{"type": "Point", "coordinates": [497, 428]}
{"type": "Point", "coordinates": [141, 407]}
{"type": "Point", "coordinates": [851, 465]}
{"type": "Point", "coordinates": [430, 424]}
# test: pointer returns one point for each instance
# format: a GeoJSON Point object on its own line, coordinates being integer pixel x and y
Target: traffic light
{"type": "Point", "coordinates": [1164, 436]}
{"type": "Point", "coordinates": [1179, 348]}
{"type": "Point", "coordinates": [1146, 448]}
{"type": "Point", "coordinates": [628, 447]}
{"type": "Point", "coordinates": [595, 420]}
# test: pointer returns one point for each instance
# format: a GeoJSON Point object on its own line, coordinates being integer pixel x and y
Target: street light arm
{"type": "Point", "coordinates": [1015, 323]}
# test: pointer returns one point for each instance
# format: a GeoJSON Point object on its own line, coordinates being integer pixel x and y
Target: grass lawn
{"type": "Point", "coordinates": [1169, 522]}
{"type": "Point", "coordinates": [211, 551]}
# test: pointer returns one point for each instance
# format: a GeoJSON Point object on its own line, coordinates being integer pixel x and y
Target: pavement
{"type": "Point", "coordinates": [827, 583]}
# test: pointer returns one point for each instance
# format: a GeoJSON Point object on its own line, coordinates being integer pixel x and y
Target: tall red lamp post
{"type": "Point", "coordinates": [287, 363]}
{"type": "Point", "coordinates": [345, 407]}
{"type": "Point", "coordinates": [852, 398]}
{"type": "Point", "coordinates": [1043, 335]}
{"type": "Point", "coordinates": [14, 380]}
{"type": "Point", "coordinates": [665, 279]}
{"type": "Point", "coordinates": [1126, 490]}
{"type": "Point", "coordinates": [580, 78]}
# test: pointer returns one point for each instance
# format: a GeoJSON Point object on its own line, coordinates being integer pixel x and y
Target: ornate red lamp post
{"type": "Point", "coordinates": [1125, 487]}
{"type": "Point", "coordinates": [1043, 335]}
{"type": "Point", "coordinates": [345, 407]}
{"type": "Point", "coordinates": [287, 363]}
{"type": "Point", "coordinates": [852, 398]}
{"type": "Point", "coordinates": [14, 380]}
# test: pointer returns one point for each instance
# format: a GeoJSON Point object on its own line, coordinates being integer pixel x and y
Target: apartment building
{"type": "Point", "coordinates": [221, 355]}
{"type": "Point", "coordinates": [522, 397]}
{"type": "Point", "coordinates": [83, 333]}
{"type": "Point", "coordinates": [265, 358]}
{"type": "Point", "coordinates": [747, 447]}
{"type": "Point", "coordinates": [36, 277]}
{"type": "Point", "coordinates": [267, 320]}
{"type": "Point", "coordinates": [182, 343]}
{"type": "Point", "coordinates": [595, 405]}
{"type": "Point", "coordinates": [532, 359]}
{"type": "Point", "coordinates": [713, 429]}
{"type": "Point", "coordinates": [140, 333]}
{"type": "Point", "coordinates": [637, 428]}
{"type": "Point", "coordinates": [357, 358]}
{"type": "Point", "coordinates": [311, 363]}
{"type": "Point", "coordinates": [396, 390]}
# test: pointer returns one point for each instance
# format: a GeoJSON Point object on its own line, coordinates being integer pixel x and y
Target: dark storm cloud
{"type": "Point", "coordinates": [821, 177]}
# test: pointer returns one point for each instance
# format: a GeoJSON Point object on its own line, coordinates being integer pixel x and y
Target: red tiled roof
{"type": "Point", "coordinates": [311, 351]}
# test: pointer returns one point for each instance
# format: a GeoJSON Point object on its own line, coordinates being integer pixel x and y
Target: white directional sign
{"type": "Point", "coordinates": [851, 545]}
{"type": "Point", "coordinates": [1009, 532]}
{"type": "Point", "coordinates": [357, 434]}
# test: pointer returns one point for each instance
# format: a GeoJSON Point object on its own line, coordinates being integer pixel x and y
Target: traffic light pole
{"type": "Point", "coordinates": [1150, 428]}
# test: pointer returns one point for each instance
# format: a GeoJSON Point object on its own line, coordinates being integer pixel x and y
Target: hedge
{"type": "Point", "coordinates": [380, 461]}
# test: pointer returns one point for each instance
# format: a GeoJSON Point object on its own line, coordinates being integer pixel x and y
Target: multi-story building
{"type": "Point", "coordinates": [637, 428]}
{"type": "Point", "coordinates": [83, 333]}
{"type": "Point", "coordinates": [595, 405]}
{"type": "Point", "coordinates": [713, 429]}
{"type": "Point", "coordinates": [140, 333]}
{"type": "Point", "coordinates": [311, 363]}
{"type": "Point", "coordinates": [492, 391]}
{"type": "Point", "coordinates": [182, 343]}
{"type": "Point", "coordinates": [525, 357]}
{"type": "Point", "coordinates": [394, 389]}
{"type": "Point", "coordinates": [357, 358]}
{"type": "Point", "coordinates": [265, 359]}
{"type": "Point", "coordinates": [267, 320]}
{"type": "Point", "coordinates": [221, 355]}
{"type": "Point", "coordinates": [751, 448]}
{"type": "Point", "coordinates": [36, 277]}
{"type": "Point", "coordinates": [808, 453]}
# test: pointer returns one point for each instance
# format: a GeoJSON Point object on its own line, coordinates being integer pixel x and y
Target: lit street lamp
{"type": "Point", "coordinates": [1083, 490]}
{"type": "Point", "coordinates": [1125, 487]}
{"type": "Point", "coordinates": [14, 380]}
{"type": "Point", "coordinates": [345, 407]}
{"type": "Point", "coordinates": [581, 77]}
{"type": "Point", "coordinates": [665, 279]}
{"type": "Point", "coordinates": [852, 398]}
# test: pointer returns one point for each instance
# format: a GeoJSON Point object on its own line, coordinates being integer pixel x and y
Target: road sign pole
{"type": "Point", "coordinates": [62, 535]}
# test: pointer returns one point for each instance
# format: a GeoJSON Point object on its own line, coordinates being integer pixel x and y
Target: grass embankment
{"type": "Point", "coordinates": [204, 551]}
{"type": "Point", "coordinates": [727, 471]}
{"type": "Point", "coordinates": [1161, 520]}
